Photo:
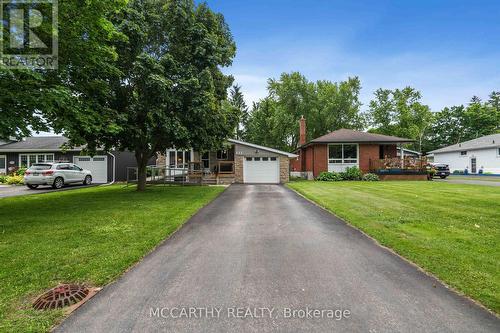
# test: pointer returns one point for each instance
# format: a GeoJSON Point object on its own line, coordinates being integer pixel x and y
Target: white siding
{"type": "Point", "coordinates": [487, 159]}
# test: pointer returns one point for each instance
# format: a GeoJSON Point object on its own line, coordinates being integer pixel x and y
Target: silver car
{"type": "Point", "coordinates": [56, 175]}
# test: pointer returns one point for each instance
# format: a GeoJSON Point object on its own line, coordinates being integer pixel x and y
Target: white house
{"type": "Point", "coordinates": [479, 154]}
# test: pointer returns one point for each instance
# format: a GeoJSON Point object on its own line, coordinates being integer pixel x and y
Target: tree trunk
{"type": "Point", "coordinates": [142, 163]}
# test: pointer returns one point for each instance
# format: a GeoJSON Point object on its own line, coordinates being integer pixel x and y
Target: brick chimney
{"type": "Point", "coordinates": [302, 131]}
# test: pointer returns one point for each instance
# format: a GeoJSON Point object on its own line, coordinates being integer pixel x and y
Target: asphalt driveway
{"type": "Point", "coordinates": [14, 191]}
{"type": "Point", "coordinates": [265, 247]}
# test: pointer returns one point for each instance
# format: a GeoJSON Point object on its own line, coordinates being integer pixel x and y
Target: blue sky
{"type": "Point", "coordinates": [449, 50]}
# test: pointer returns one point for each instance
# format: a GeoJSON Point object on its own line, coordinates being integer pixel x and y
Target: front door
{"type": "Point", "coordinates": [3, 164]}
{"type": "Point", "coordinates": [473, 165]}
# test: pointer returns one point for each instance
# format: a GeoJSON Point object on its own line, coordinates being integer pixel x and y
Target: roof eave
{"type": "Point", "coordinates": [272, 150]}
{"type": "Point", "coordinates": [438, 151]}
{"type": "Point", "coordinates": [31, 150]}
{"type": "Point", "coordinates": [365, 142]}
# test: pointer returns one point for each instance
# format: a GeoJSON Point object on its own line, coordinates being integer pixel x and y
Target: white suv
{"type": "Point", "coordinates": [56, 174]}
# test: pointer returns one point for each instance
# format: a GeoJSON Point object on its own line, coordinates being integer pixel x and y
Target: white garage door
{"type": "Point", "coordinates": [98, 165]}
{"type": "Point", "coordinates": [261, 170]}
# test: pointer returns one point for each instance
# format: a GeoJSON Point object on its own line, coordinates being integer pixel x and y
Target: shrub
{"type": "Point", "coordinates": [329, 177]}
{"type": "Point", "coordinates": [351, 174]}
{"type": "Point", "coordinates": [15, 180]}
{"type": "Point", "coordinates": [20, 172]}
{"type": "Point", "coordinates": [371, 177]}
{"type": "Point", "coordinates": [3, 179]}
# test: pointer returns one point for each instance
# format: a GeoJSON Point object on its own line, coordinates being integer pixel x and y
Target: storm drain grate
{"type": "Point", "coordinates": [61, 296]}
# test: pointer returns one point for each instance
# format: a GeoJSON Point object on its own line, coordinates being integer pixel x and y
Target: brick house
{"type": "Point", "coordinates": [341, 149]}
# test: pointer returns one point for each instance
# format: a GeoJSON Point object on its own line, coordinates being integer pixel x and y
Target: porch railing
{"type": "Point", "coordinates": [397, 164]}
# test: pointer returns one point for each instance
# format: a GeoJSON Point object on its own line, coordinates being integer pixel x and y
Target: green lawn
{"type": "Point", "coordinates": [90, 235]}
{"type": "Point", "coordinates": [450, 230]}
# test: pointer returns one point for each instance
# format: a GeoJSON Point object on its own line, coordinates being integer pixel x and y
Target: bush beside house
{"type": "Point", "coordinates": [353, 173]}
{"type": "Point", "coordinates": [15, 178]}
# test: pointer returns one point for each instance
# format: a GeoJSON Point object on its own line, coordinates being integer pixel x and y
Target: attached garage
{"type": "Point", "coordinates": [98, 165]}
{"type": "Point", "coordinates": [255, 164]}
{"type": "Point", "coordinates": [262, 169]}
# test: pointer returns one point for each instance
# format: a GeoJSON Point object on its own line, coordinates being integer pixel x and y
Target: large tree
{"type": "Point", "coordinates": [399, 112]}
{"type": "Point", "coordinates": [236, 100]}
{"type": "Point", "coordinates": [42, 99]}
{"type": "Point", "coordinates": [326, 105]}
{"type": "Point", "coordinates": [170, 90]}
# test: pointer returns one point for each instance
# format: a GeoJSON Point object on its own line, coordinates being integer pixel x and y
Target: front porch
{"type": "Point", "coordinates": [400, 168]}
{"type": "Point", "coordinates": [193, 167]}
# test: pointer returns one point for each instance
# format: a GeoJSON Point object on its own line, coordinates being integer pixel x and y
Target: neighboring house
{"type": "Point", "coordinates": [341, 149]}
{"type": "Point", "coordinates": [105, 167]}
{"type": "Point", "coordinates": [479, 154]}
{"type": "Point", "coordinates": [237, 161]}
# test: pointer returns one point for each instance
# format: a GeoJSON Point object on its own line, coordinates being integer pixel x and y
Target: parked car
{"type": "Point", "coordinates": [56, 175]}
{"type": "Point", "coordinates": [441, 170]}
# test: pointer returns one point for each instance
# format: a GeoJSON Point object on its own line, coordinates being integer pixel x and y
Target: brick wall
{"type": "Point", "coordinates": [308, 164]}
{"type": "Point", "coordinates": [320, 159]}
{"type": "Point", "coordinates": [367, 152]}
{"type": "Point", "coordinates": [296, 163]}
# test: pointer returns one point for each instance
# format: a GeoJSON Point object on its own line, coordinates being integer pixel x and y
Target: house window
{"type": "Point", "coordinates": [222, 154]}
{"type": "Point", "coordinates": [3, 164]}
{"type": "Point", "coordinates": [27, 160]}
{"type": "Point", "coordinates": [205, 160]}
{"type": "Point", "coordinates": [498, 152]}
{"type": "Point", "coordinates": [463, 153]}
{"type": "Point", "coordinates": [335, 154]}
{"type": "Point", "coordinates": [178, 158]}
{"type": "Point", "coordinates": [343, 154]}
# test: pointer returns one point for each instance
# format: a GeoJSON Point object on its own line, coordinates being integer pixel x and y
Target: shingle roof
{"type": "Point", "coordinates": [350, 136]}
{"type": "Point", "coordinates": [488, 141]}
{"type": "Point", "coordinates": [36, 143]}
{"type": "Point", "coordinates": [253, 145]}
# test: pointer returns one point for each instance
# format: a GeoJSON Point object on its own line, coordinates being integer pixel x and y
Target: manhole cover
{"type": "Point", "coordinates": [61, 296]}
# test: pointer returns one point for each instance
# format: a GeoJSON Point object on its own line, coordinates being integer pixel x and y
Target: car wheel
{"type": "Point", "coordinates": [442, 177]}
{"type": "Point", "coordinates": [32, 186]}
{"type": "Point", "coordinates": [58, 183]}
{"type": "Point", "coordinates": [88, 180]}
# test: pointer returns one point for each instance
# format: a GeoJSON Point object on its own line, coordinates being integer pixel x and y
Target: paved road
{"type": "Point", "coordinates": [14, 191]}
{"type": "Point", "coordinates": [265, 246]}
{"type": "Point", "coordinates": [468, 181]}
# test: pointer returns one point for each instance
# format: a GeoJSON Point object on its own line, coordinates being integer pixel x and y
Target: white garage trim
{"type": "Point", "coordinates": [264, 170]}
{"type": "Point", "coordinates": [98, 166]}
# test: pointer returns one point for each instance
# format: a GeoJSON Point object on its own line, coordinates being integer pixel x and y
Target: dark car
{"type": "Point", "coordinates": [441, 170]}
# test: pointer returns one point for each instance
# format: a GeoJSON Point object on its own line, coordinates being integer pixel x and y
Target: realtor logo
{"type": "Point", "coordinates": [28, 36]}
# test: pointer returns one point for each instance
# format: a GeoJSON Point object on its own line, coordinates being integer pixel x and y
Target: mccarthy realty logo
{"type": "Point", "coordinates": [29, 36]}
